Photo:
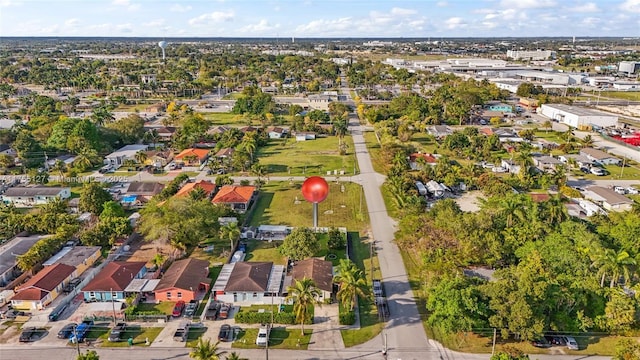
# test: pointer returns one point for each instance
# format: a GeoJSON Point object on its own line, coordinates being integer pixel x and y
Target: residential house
{"type": "Point", "coordinates": [6, 150]}
{"type": "Point", "coordinates": [276, 132]}
{"type": "Point", "coordinates": [80, 257]}
{"type": "Point", "coordinates": [192, 157]}
{"type": "Point", "coordinates": [417, 159]}
{"type": "Point", "coordinates": [220, 129]}
{"type": "Point", "coordinates": [320, 101]}
{"type": "Point", "coordinates": [128, 152]}
{"type": "Point", "coordinates": [29, 196]}
{"type": "Point", "coordinates": [599, 156]}
{"type": "Point", "coordinates": [250, 282]}
{"type": "Point", "coordinates": [439, 131]}
{"type": "Point", "coordinates": [546, 163]}
{"type": "Point", "coordinates": [487, 115]}
{"type": "Point", "coordinates": [207, 186]}
{"type": "Point", "coordinates": [225, 153]}
{"type": "Point", "coordinates": [320, 271]}
{"type": "Point", "coordinates": [510, 165]}
{"type": "Point", "coordinates": [165, 133]}
{"type": "Point", "coordinates": [581, 160]}
{"type": "Point", "coordinates": [158, 159]}
{"type": "Point", "coordinates": [609, 199]}
{"type": "Point", "coordinates": [246, 129]}
{"type": "Point", "coordinates": [67, 160]}
{"type": "Point", "coordinates": [110, 283]}
{"type": "Point", "coordinates": [238, 197]}
{"type": "Point", "coordinates": [184, 280]}
{"type": "Point", "coordinates": [305, 135]}
{"type": "Point", "coordinates": [9, 253]}
{"type": "Point", "coordinates": [43, 288]}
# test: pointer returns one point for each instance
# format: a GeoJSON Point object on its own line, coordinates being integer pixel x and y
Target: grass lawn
{"type": "Point", "coordinates": [221, 118]}
{"type": "Point", "coordinates": [138, 333]}
{"type": "Point", "coordinates": [164, 307]}
{"type": "Point", "coordinates": [194, 334]}
{"type": "Point", "coordinates": [98, 331]}
{"type": "Point", "coordinates": [326, 252]}
{"type": "Point", "coordinates": [624, 95]}
{"type": "Point", "coordinates": [614, 173]}
{"type": "Point", "coordinates": [277, 205]}
{"type": "Point", "coordinates": [280, 338]}
{"type": "Point", "coordinates": [374, 150]}
{"type": "Point", "coordinates": [258, 250]}
{"type": "Point", "coordinates": [369, 324]}
{"type": "Point", "coordinates": [284, 157]}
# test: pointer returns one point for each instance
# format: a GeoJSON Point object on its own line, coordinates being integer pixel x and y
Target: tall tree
{"type": "Point", "coordinates": [352, 283]}
{"type": "Point", "coordinates": [302, 243]}
{"type": "Point", "coordinates": [304, 294]}
{"type": "Point", "coordinates": [230, 232]}
{"type": "Point", "coordinates": [92, 198]}
{"type": "Point", "coordinates": [614, 265]}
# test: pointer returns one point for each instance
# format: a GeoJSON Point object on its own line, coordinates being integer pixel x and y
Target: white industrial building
{"type": "Point", "coordinates": [531, 55]}
{"type": "Point", "coordinates": [578, 117]}
{"type": "Point", "coordinates": [629, 67]}
{"type": "Point", "coordinates": [626, 85]}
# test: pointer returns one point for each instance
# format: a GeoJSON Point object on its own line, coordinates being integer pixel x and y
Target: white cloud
{"type": "Point", "coordinates": [591, 21]}
{"type": "Point", "coordinates": [402, 12]}
{"type": "Point", "coordinates": [157, 23]}
{"type": "Point", "coordinates": [631, 6]}
{"type": "Point", "coordinates": [126, 4]}
{"type": "Point", "coordinates": [7, 3]}
{"type": "Point", "coordinates": [442, 4]}
{"type": "Point", "coordinates": [585, 8]}
{"type": "Point", "coordinates": [527, 4]}
{"type": "Point", "coordinates": [455, 23]}
{"type": "Point", "coordinates": [261, 27]}
{"type": "Point", "coordinates": [72, 22]}
{"type": "Point", "coordinates": [124, 28]}
{"type": "Point", "coordinates": [322, 26]}
{"type": "Point", "coordinates": [179, 8]}
{"type": "Point", "coordinates": [216, 16]}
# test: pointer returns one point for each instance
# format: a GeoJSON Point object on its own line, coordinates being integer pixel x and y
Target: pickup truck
{"type": "Point", "coordinates": [182, 332]}
{"type": "Point", "coordinates": [212, 311]}
{"type": "Point", "coordinates": [81, 331]}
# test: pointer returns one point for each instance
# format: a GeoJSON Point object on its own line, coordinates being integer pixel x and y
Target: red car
{"type": "Point", "coordinates": [178, 309]}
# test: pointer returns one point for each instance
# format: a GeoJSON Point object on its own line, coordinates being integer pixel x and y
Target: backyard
{"type": "Point", "coordinates": [282, 203]}
{"type": "Point", "coordinates": [288, 157]}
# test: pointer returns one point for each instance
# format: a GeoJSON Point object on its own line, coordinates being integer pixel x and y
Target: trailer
{"type": "Point", "coordinates": [422, 190]}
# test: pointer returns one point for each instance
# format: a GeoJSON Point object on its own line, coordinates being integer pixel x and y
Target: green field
{"type": "Point", "coordinates": [624, 95]}
{"type": "Point", "coordinates": [277, 205]}
{"type": "Point", "coordinates": [222, 118]}
{"type": "Point", "coordinates": [288, 157]}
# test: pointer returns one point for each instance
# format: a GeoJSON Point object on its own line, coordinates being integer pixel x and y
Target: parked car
{"type": "Point", "coordinates": [541, 343]}
{"type": "Point", "coordinates": [116, 332]}
{"type": "Point", "coordinates": [632, 190]}
{"type": "Point", "coordinates": [191, 308]}
{"type": "Point", "coordinates": [598, 171]}
{"type": "Point", "coordinates": [225, 331]}
{"type": "Point", "coordinates": [224, 312]}
{"type": "Point", "coordinates": [182, 332]}
{"type": "Point", "coordinates": [178, 309]}
{"type": "Point", "coordinates": [620, 190]}
{"type": "Point", "coordinates": [585, 170]}
{"type": "Point", "coordinates": [572, 344]}
{"type": "Point", "coordinates": [263, 333]}
{"type": "Point", "coordinates": [556, 340]}
{"type": "Point", "coordinates": [31, 334]}
{"type": "Point", "coordinates": [12, 314]}
{"type": "Point", "coordinates": [66, 331]}
{"type": "Point", "coordinates": [212, 311]}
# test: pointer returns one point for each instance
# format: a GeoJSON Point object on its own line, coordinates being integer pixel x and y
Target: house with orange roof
{"type": "Point", "coordinates": [239, 198]}
{"type": "Point", "coordinates": [417, 159]}
{"type": "Point", "coordinates": [208, 187]}
{"type": "Point", "coordinates": [43, 288]}
{"type": "Point", "coordinates": [192, 156]}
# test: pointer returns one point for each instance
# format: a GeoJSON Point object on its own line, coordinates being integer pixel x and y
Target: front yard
{"type": "Point", "coordinates": [280, 338]}
{"type": "Point", "coordinates": [139, 335]}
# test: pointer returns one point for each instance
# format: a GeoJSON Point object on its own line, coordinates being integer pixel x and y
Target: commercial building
{"type": "Point", "coordinates": [578, 117]}
{"type": "Point", "coordinates": [531, 55]}
{"type": "Point", "coordinates": [629, 67]}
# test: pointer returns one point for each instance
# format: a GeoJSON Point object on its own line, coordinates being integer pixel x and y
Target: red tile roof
{"type": "Point", "coordinates": [200, 154]}
{"type": "Point", "coordinates": [115, 276]}
{"type": "Point", "coordinates": [205, 185]}
{"type": "Point", "coordinates": [30, 294]}
{"type": "Point", "coordinates": [430, 159]}
{"type": "Point", "coordinates": [49, 278]}
{"type": "Point", "coordinates": [231, 194]}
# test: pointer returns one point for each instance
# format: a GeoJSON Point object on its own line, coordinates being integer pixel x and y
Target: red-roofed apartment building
{"type": "Point", "coordinates": [192, 157]}
{"type": "Point", "coordinates": [183, 280]}
{"type": "Point", "coordinates": [207, 186]}
{"type": "Point", "coordinates": [43, 288]}
{"type": "Point", "coordinates": [112, 280]}
{"type": "Point", "coordinates": [238, 197]}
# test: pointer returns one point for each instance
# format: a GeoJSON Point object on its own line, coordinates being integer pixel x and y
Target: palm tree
{"type": "Point", "coordinates": [231, 232]}
{"type": "Point", "coordinates": [556, 210]}
{"type": "Point", "coordinates": [205, 350]}
{"type": "Point", "coordinates": [615, 264]}
{"type": "Point", "coordinates": [547, 125]}
{"type": "Point", "coordinates": [234, 356]}
{"type": "Point", "coordinates": [511, 206]}
{"type": "Point", "coordinates": [249, 143]}
{"type": "Point", "coordinates": [141, 157]}
{"type": "Point", "coordinates": [259, 171]}
{"type": "Point", "coordinates": [352, 283]}
{"type": "Point", "coordinates": [587, 141]}
{"type": "Point", "coordinates": [340, 128]}
{"type": "Point", "coordinates": [304, 293]}
{"type": "Point", "coordinates": [60, 167]}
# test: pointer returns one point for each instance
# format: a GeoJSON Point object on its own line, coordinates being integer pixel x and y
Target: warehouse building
{"type": "Point", "coordinates": [531, 55]}
{"type": "Point", "coordinates": [578, 117]}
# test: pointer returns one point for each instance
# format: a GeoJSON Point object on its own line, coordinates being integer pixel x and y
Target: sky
{"type": "Point", "coordinates": [328, 18]}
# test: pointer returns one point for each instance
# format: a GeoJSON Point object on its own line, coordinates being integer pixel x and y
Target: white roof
{"type": "Point", "coordinates": [273, 228]}
{"type": "Point", "coordinates": [223, 277]}
{"type": "Point", "coordinates": [128, 151]}
{"type": "Point", "coordinates": [275, 278]}
{"type": "Point", "coordinates": [52, 260]}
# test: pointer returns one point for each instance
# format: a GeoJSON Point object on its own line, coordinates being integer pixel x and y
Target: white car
{"type": "Point", "coordinates": [620, 190]}
{"type": "Point", "coordinates": [572, 344]}
{"type": "Point", "coordinates": [263, 334]}
{"type": "Point", "coordinates": [597, 171]}
{"type": "Point", "coordinates": [632, 190]}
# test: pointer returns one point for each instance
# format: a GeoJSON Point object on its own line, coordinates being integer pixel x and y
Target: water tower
{"type": "Point", "coordinates": [315, 190]}
{"type": "Point", "coordinates": [163, 45]}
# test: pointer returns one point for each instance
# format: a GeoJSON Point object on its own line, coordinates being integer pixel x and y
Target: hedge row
{"type": "Point", "coordinates": [252, 317]}
{"type": "Point", "coordinates": [348, 318]}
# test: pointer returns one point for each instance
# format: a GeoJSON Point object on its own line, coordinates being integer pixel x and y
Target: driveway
{"type": "Point", "coordinates": [326, 329]}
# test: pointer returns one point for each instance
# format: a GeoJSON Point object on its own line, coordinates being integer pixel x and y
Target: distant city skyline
{"type": "Point", "coordinates": [328, 18]}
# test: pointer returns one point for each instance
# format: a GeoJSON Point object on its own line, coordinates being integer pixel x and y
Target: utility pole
{"type": "Point", "coordinates": [75, 336]}
{"type": "Point", "coordinates": [493, 348]}
{"type": "Point", "coordinates": [624, 160]}
{"type": "Point", "coordinates": [113, 307]}
{"type": "Point", "coordinates": [266, 348]}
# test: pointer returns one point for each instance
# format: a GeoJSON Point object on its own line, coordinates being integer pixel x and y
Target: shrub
{"type": "Point", "coordinates": [252, 317]}
{"type": "Point", "coordinates": [348, 318]}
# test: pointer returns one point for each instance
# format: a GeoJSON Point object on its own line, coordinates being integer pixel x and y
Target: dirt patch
{"type": "Point", "coordinates": [9, 333]}
{"type": "Point", "coordinates": [469, 201]}
{"type": "Point", "coordinates": [145, 251]}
